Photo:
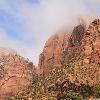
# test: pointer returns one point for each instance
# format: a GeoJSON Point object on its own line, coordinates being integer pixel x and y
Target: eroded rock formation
{"type": "Point", "coordinates": [15, 74]}
{"type": "Point", "coordinates": [85, 55]}
{"type": "Point", "coordinates": [78, 56]}
{"type": "Point", "coordinates": [81, 50]}
{"type": "Point", "coordinates": [51, 55]}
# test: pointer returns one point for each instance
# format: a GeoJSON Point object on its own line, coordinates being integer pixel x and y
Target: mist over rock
{"type": "Point", "coordinates": [81, 49]}
{"type": "Point", "coordinates": [85, 54]}
{"type": "Point", "coordinates": [69, 65]}
{"type": "Point", "coordinates": [51, 56]}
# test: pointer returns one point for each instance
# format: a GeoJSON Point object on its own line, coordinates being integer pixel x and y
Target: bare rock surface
{"type": "Point", "coordinates": [15, 74]}
{"type": "Point", "coordinates": [51, 56]}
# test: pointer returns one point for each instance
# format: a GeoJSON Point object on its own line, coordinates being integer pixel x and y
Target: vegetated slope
{"type": "Point", "coordinates": [15, 74]}
{"type": "Point", "coordinates": [79, 76]}
{"type": "Point", "coordinates": [84, 54]}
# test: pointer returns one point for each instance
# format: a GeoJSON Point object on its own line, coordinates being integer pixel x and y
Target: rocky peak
{"type": "Point", "coordinates": [79, 55]}
{"type": "Point", "coordinates": [81, 48]}
{"type": "Point", "coordinates": [6, 51]}
{"type": "Point", "coordinates": [15, 74]}
{"type": "Point", "coordinates": [85, 55]}
{"type": "Point", "coordinates": [55, 49]}
{"type": "Point", "coordinates": [77, 35]}
{"type": "Point", "coordinates": [91, 41]}
{"type": "Point", "coordinates": [94, 29]}
{"type": "Point", "coordinates": [51, 55]}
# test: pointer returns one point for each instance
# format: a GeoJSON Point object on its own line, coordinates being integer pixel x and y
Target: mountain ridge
{"type": "Point", "coordinates": [77, 75]}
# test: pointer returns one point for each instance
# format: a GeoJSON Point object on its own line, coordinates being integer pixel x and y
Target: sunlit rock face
{"type": "Point", "coordinates": [84, 54]}
{"type": "Point", "coordinates": [55, 49]}
{"type": "Point", "coordinates": [81, 49]}
{"type": "Point", "coordinates": [51, 55]}
{"type": "Point", "coordinates": [91, 42]}
{"type": "Point", "coordinates": [74, 66]}
{"type": "Point", "coordinates": [15, 74]}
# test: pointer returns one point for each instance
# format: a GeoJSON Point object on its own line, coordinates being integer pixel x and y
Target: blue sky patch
{"type": "Point", "coordinates": [33, 1]}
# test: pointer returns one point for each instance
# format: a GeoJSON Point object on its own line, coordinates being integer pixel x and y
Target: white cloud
{"type": "Point", "coordinates": [19, 46]}
{"type": "Point", "coordinates": [39, 21]}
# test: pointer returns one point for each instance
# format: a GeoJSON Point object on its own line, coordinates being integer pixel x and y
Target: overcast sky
{"type": "Point", "coordinates": [25, 25]}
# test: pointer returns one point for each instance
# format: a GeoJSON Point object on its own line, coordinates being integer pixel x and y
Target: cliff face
{"type": "Point", "coordinates": [51, 56]}
{"type": "Point", "coordinates": [74, 40]}
{"type": "Point", "coordinates": [91, 43]}
{"type": "Point", "coordinates": [78, 77]}
{"type": "Point", "coordinates": [85, 54]}
{"type": "Point", "coordinates": [15, 74]}
{"type": "Point", "coordinates": [81, 49]}
{"type": "Point", "coordinates": [55, 48]}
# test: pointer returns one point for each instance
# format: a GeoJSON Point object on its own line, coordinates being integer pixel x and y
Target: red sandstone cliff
{"type": "Point", "coordinates": [79, 52]}
{"type": "Point", "coordinates": [51, 55]}
{"type": "Point", "coordinates": [84, 54]}
{"type": "Point", "coordinates": [78, 57]}
{"type": "Point", "coordinates": [15, 74]}
{"type": "Point", "coordinates": [81, 49]}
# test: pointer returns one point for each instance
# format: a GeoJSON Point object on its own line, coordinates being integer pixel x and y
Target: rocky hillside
{"type": "Point", "coordinates": [15, 74]}
{"type": "Point", "coordinates": [84, 53]}
{"type": "Point", "coordinates": [78, 76]}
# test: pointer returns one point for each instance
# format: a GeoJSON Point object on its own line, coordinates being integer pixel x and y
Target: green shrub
{"type": "Point", "coordinates": [96, 89]}
{"type": "Point", "coordinates": [49, 98]}
{"type": "Point", "coordinates": [74, 96]}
